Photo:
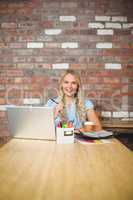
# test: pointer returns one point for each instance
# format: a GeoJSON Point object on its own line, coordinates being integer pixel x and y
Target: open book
{"type": "Point", "coordinates": [97, 134]}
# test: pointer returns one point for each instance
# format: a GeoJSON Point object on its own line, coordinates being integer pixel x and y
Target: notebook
{"type": "Point", "coordinates": [97, 134]}
{"type": "Point", "coordinates": [31, 122]}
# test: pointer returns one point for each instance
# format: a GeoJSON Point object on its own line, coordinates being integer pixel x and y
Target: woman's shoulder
{"type": "Point", "coordinates": [88, 104]}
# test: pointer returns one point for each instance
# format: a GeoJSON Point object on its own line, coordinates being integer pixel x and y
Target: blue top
{"type": "Point", "coordinates": [71, 111]}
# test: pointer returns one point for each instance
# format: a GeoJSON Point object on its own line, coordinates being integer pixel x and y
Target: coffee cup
{"type": "Point", "coordinates": [89, 126]}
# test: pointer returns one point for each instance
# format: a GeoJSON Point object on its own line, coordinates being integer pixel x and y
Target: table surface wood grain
{"type": "Point", "coordinates": [44, 170]}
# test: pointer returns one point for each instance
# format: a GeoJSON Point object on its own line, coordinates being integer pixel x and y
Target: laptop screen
{"type": "Point", "coordinates": [31, 122]}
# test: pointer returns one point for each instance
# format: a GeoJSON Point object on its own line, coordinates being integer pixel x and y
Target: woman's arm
{"type": "Point", "coordinates": [92, 116]}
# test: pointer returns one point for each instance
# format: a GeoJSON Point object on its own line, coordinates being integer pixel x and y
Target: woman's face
{"type": "Point", "coordinates": [69, 85]}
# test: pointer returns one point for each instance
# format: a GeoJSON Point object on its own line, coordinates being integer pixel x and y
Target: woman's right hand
{"type": "Point", "coordinates": [58, 109]}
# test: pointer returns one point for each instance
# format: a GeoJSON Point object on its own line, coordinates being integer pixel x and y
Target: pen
{"type": "Point", "coordinates": [54, 101]}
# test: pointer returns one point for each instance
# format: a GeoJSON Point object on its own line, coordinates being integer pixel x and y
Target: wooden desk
{"type": "Point", "coordinates": [41, 170]}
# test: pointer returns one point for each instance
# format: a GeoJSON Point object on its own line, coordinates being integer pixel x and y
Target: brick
{"type": "Point", "coordinates": [26, 80]}
{"type": "Point", "coordinates": [23, 52]}
{"type": "Point", "coordinates": [38, 78]}
{"type": "Point", "coordinates": [9, 38]}
{"type": "Point", "coordinates": [29, 25]}
{"type": "Point", "coordinates": [119, 19]}
{"type": "Point", "coordinates": [16, 59]}
{"type": "Point", "coordinates": [26, 38]}
{"type": "Point", "coordinates": [127, 119]}
{"type": "Point", "coordinates": [18, 80]}
{"type": "Point", "coordinates": [35, 59]}
{"type": "Point", "coordinates": [2, 114]}
{"type": "Point", "coordinates": [106, 114]}
{"type": "Point", "coordinates": [14, 72]}
{"type": "Point", "coordinates": [17, 45]}
{"type": "Point", "coordinates": [2, 72]}
{"type": "Point", "coordinates": [53, 31]}
{"type": "Point", "coordinates": [3, 45]}
{"type": "Point", "coordinates": [8, 25]}
{"type": "Point", "coordinates": [105, 32]}
{"type": "Point", "coordinates": [30, 101]}
{"type": "Point", "coordinates": [112, 66]}
{"type": "Point", "coordinates": [25, 65]}
{"type": "Point", "coordinates": [51, 4]}
{"type": "Point", "coordinates": [47, 24]}
{"type": "Point", "coordinates": [113, 25]}
{"type": "Point", "coordinates": [2, 101]}
{"type": "Point", "coordinates": [120, 114]}
{"type": "Point", "coordinates": [2, 107]}
{"type": "Point", "coordinates": [25, 11]}
{"type": "Point", "coordinates": [95, 25]}
{"type": "Point", "coordinates": [131, 114]}
{"type": "Point", "coordinates": [35, 45]}
{"type": "Point", "coordinates": [2, 87]}
{"type": "Point", "coordinates": [69, 45]}
{"type": "Point", "coordinates": [67, 18]}
{"type": "Point", "coordinates": [52, 17]}
{"type": "Point", "coordinates": [104, 45]}
{"type": "Point", "coordinates": [102, 18]}
{"type": "Point", "coordinates": [122, 45]}
{"type": "Point", "coordinates": [43, 65]}
{"type": "Point", "coordinates": [68, 5]}
{"type": "Point", "coordinates": [127, 25]}
{"type": "Point", "coordinates": [60, 66]}
{"type": "Point", "coordinates": [7, 65]}
{"type": "Point", "coordinates": [52, 45]}
{"type": "Point", "coordinates": [5, 135]}
{"type": "Point", "coordinates": [3, 81]}
{"type": "Point", "coordinates": [87, 32]}
{"type": "Point", "coordinates": [112, 80]}
{"type": "Point", "coordinates": [76, 65]}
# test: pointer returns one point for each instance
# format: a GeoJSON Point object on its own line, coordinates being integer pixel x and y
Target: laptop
{"type": "Point", "coordinates": [31, 122]}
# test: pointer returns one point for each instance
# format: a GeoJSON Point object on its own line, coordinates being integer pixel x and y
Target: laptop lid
{"type": "Point", "coordinates": [31, 122]}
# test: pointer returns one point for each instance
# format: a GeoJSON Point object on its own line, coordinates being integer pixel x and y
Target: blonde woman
{"type": "Point", "coordinates": [70, 105]}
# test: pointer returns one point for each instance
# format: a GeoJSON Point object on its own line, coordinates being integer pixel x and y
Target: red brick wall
{"type": "Point", "coordinates": [39, 38]}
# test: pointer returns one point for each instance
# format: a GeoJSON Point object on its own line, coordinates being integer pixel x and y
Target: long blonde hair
{"type": "Point", "coordinates": [79, 101]}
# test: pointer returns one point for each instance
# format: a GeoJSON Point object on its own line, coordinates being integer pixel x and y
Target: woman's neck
{"type": "Point", "coordinates": [69, 100]}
